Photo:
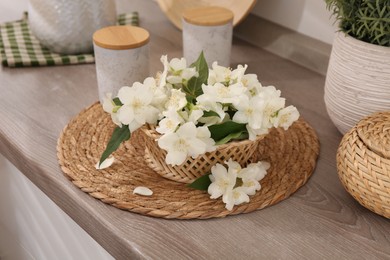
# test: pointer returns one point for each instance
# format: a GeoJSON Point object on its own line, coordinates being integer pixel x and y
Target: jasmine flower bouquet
{"type": "Point", "coordinates": [194, 110]}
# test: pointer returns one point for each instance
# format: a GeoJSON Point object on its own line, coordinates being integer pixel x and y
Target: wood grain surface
{"type": "Point", "coordinates": [320, 221]}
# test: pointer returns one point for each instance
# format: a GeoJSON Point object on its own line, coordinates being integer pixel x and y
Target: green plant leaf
{"type": "Point", "coordinates": [201, 67]}
{"type": "Point", "coordinates": [221, 131]}
{"type": "Point", "coordinates": [119, 135]}
{"type": "Point", "coordinates": [193, 88]}
{"type": "Point", "coordinates": [117, 101]}
{"type": "Point", "coordinates": [235, 136]}
{"type": "Point", "coordinates": [210, 113]}
{"type": "Point", "coordinates": [202, 183]}
{"type": "Point", "coordinates": [366, 20]}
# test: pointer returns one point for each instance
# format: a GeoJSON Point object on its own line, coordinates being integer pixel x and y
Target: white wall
{"type": "Point", "coordinates": [309, 17]}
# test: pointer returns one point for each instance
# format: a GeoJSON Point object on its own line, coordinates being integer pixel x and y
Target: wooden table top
{"type": "Point", "coordinates": [321, 220]}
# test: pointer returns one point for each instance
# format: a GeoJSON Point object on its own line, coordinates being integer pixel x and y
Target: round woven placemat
{"type": "Point", "coordinates": [292, 155]}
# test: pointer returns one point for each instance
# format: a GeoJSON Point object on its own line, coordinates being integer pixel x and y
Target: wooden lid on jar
{"type": "Point", "coordinates": [208, 16]}
{"type": "Point", "coordinates": [121, 37]}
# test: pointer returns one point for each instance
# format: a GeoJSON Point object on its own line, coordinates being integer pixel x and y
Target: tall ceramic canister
{"type": "Point", "coordinates": [121, 56]}
{"type": "Point", "coordinates": [208, 29]}
{"type": "Point", "coordinates": [66, 27]}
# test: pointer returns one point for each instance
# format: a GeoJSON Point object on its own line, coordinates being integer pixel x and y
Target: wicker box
{"type": "Point", "coordinates": [363, 162]}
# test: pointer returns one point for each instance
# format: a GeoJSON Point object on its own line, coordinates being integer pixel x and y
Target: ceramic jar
{"type": "Point", "coordinates": [208, 29]}
{"type": "Point", "coordinates": [121, 56]}
{"type": "Point", "coordinates": [67, 26]}
{"type": "Point", "coordinates": [357, 82]}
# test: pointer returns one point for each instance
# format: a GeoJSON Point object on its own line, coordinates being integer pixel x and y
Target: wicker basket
{"type": "Point", "coordinates": [363, 162]}
{"type": "Point", "coordinates": [191, 169]}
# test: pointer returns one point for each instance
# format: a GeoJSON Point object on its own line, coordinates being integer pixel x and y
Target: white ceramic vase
{"type": "Point", "coordinates": [357, 82]}
{"type": "Point", "coordinates": [67, 26]}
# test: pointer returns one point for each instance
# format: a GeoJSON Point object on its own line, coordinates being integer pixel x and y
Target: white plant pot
{"type": "Point", "coordinates": [67, 26]}
{"type": "Point", "coordinates": [357, 82]}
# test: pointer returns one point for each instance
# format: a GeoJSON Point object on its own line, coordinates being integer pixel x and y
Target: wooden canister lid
{"type": "Point", "coordinates": [208, 15]}
{"type": "Point", "coordinates": [121, 37]}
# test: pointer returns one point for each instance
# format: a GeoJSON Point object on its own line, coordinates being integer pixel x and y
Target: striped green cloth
{"type": "Point", "coordinates": [19, 47]}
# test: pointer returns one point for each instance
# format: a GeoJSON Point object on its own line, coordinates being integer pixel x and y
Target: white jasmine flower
{"type": "Point", "coordinates": [222, 181]}
{"type": "Point", "coordinates": [179, 71]}
{"type": "Point", "coordinates": [170, 123]}
{"type": "Point", "coordinates": [252, 84]}
{"type": "Point", "coordinates": [233, 167]}
{"type": "Point", "coordinates": [253, 133]}
{"type": "Point", "coordinates": [269, 92]}
{"type": "Point", "coordinates": [251, 175]}
{"type": "Point", "coordinates": [162, 77]}
{"type": "Point", "coordinates": [160, 94]}
{"type": "Point", "coordinates": [105, 164]}
{"type": "Point", "coordinates": [203, 133]}
{"type": "Point", "coordinates": [192, 115]}
{"type": "Point", "coordinates": [220, 93]}
{"type": "Point", "coordinates": [183, 77]}
{"type": "Point", "coordinates": [208, 105]}
{"type": "Point", "coordinates": [145, 191]}
{"type": "Point", "coordinates": [237, 74]}
{"type": "Point", "coordinates": [181, 144]}
{"type": "Point", "coordinates": [235, 196]}
{"type": "Point", "coordinates": [188, 73]}
{"type": "Point", "coordinates": [286, 117]}
{"type": "Point", "coordinates": [176, 101]}
{"type": "Point", "coordinates": [271, 107]}
{"type": "Point", "coordinates": [177, 65]}
{"type": "Point", "coordinates": [218, 74]}
{"type": "Point", "coordinates": [137, 109]}
{"type": "Point", "coordinates": [250, 111]}
{"type": "Point", "coordinates": [110, 107]}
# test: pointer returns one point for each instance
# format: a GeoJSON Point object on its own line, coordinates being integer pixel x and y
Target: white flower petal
{"type": "Point", "coordinates": [215, 191]}
{"type": "Point", "coordinates": [108, 105]}
{"type": "Point", "coordinates": [163, 75]}
{"type": "Point", "coordinates": [125, 115]}
{"type": "Point", "coordinates": [125, 95]}
{"type": "Point", "coordinates": [176, 157]}
{"type": "Point", "coordinates": [144, 191]}
{"type": "Point", "coordinates": [178, 64]}
{"type": "Point", "coordinates": [188, 130]}
{"type": "Point", "coordinates": [227, 198]}
{"type": "Point", "coordinates": [105, 164]}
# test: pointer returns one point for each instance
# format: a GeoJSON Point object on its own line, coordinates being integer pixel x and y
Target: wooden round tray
{"type": "Point", "coordinates": [292, 155]}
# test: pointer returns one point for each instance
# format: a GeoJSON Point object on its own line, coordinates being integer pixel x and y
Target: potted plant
{"type": "Point", "coordinates": [358, 78]}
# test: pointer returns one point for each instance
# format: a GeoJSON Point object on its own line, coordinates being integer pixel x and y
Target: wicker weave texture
{"type": "Point", "coordinates": [292, 155]}
{"type": "Point", "coordinates": [363, 163]}
{"type": "Point", "coordinates": [194, 168]}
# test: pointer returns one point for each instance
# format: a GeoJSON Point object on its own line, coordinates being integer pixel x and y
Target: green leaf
{"type": "Point", "coordinates": [117, 102]}
{"type": "Point", "coordinates": [221, 131]}
{"type": "Point", "coordinates": [235, 136]}
{"type": "Point", "coordinates": [201, 67]}
{"type": "Point", "coordinates": [202, 183]}
{"type": "Point", "coordinates": [119, 135]}
{"type": "Point", "coordinates": [193, 88]}
{"type": "Point", "coordinates": [210, 113]}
